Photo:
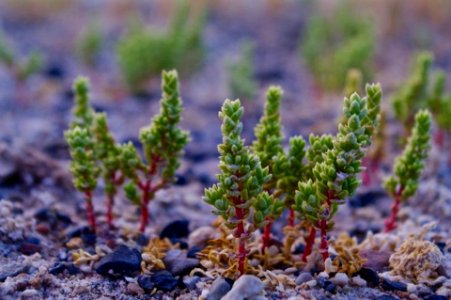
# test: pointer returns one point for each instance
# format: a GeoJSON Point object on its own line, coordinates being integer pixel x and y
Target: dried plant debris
{"type": "Point", "coordinates": [417, 260]}
{"type": "Point", "coordinates": [348, 259]}
{"type": "Point", "coordinates": [153, 254]}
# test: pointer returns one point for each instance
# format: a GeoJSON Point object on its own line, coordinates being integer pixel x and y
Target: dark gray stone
{"type": "Point", "coordinates": [122, 261]}
{"type": "Point", "coordinates": [390, 285]}
{"type": "Point", "coordinates": [163, 280]}
{"type": "Point", "coordinates": [218, 289]}
{"type": "Point", "coordinates": [178, 263]}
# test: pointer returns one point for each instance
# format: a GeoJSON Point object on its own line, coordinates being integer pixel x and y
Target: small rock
{"type": "Point", "coordinates": [175, 230]}
{"type": "Point", "coordinates": [142, 240]}
{"type": "Point", "coordinates": [366, 198]}
{"type": "Point", "coordinates": [340, 279]}
{"type": "Point", "coordinates": [72, 269]}
{"type": "Point", "coordinates": [163, 280]}
{"type": "Point", "coordinates": [57, 268]}
{"type": "Point", "coordinates": [29, 294]}
{"type": "Point", "coordinates": [303, 277]}
{"type": "Point", "coordinates": [311, 283]}
{"type": "Point", "coordinates": [370, 276]}
{"type": "Point", "coordinates": [177, 263]}
{"type": "Point", "coordinates": [376, 260]}
{"type": "Point", "coordinates": [28, 248]}
{"type": "Point", "coordinates": [435, 297]}
{"type": "Point", "coordinates": [123, 260]}
{"type": "Point", "coordinates": [358, 281]}
{"type": "Point", "coordinates": [43, 228]}
{"type": "Point", "coordinates": [202, 235]}
{"type": "Point", "coordinates": [299, 248]}
{"type": "Point", "coordinates": [12, 270]}
{"type": "Point", "coordinates": [134, 289]}
{"type": "Point", "coordinates": [145, 282]}
{"type": "Point", "coordinates": [190, 282]}
{"type": "Point", "coordinates": [247, 286]}
{"type": "Point", "coordinates": [386, 297]}
{"type": "Point", "coordinates": [218, 289]}
{"type": "Point", "coordinates": [192, 252]}
{"type": "Point", "coordinates": [390, 285]}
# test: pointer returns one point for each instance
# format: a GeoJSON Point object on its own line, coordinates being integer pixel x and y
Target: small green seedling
{"type": "Point", "coordinates": [163, 143]}
{"type": "Point", "coordinates": [268, 147]}
{"type": "Point", "coordinates": [83, 166]}
{"type": "Point", "coordinates": [334, 174]}
{"type": "Point", "coordinates": [408, 166]}
{"type": "Point", "coordinates": [241, 74]}
{"type": "Point", "coordinates": [241, 183]}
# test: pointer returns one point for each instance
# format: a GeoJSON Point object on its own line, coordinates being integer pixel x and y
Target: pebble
{"type": "Point", "coordinates": [200, 236]}
{"type": "Point", "coordinates": [134, 289]}
{"type": "Point", "coordinates": [163, 280]}
{"type": "Point", "coordinates": [311, 283]}
{"type": "Point", "coordinates": [390, 285]}
{"type": "Point", "coordinates": [178, 263]}
{"type": "Point", "coordinates": [376, 260]}
{"type": "Point", "coordinates": [218, 289]}
{"type": "Point", "coordinates": [303, 277]}
{"type": "Point", "coordinates": [358, 281]}
{"type": "Point", "coordinates": [340, 279]}
{"type": "Point", "coordinates": [12, 270]}
{"type": "Point", "coordinates": [192, 252]}
{"type": "Point", "coordinates": [191, 281]}
{"type": "Point", "coordinates": [175, 230]}
{"type": "Point", "coordinates": [247, 286]}
{"type": "Point", "coordinates": [57, 268]}
{"type": "Point", "coordinates": [386, 297]}
{"type": "Point", "coordinates": [435, 297]}
{"type": "Point", "coordinates": [145, 282]}
{"type": "Point", "coordinates": [29, 294]}
{"type": "Point", "coordinates": [370, 276]}
{"type": "Point", "coordinates": [123, 260]}
{"type": "Point", "coordinates": [28, 248]}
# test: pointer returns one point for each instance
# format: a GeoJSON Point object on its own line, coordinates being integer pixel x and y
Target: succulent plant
{"type": "Point", "coordinates": [241, 181]}
{"type": "Point", "coordinates": [89, 43]}
{"type": "Point", "coordinates": [403, 183]}
{"type": "Point", "coordinates": [241, 74]}
{"type": "Point", "coordinates": [334, 175]}
{"type": "Point", "coordinates": [163, 143]}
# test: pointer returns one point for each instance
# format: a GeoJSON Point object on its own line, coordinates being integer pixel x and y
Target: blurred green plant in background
{"type": "Point", "coordinates": [20, 69]}
{"type": "Point", "coordinates": [144, 53]}
{"type": "Point", "coordinates": [89, 44]}
{"type": "Point", "coordinates": [242, 84]}
{"type": "Point", "coordinates": [333, 46]}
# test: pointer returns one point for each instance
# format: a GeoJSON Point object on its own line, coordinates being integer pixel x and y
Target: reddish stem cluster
{"type": "Point", "coordinates": [90, 210]}
{"type": "Point", "coordinates": [240, 235]}
{"type": "Point", "coordinates": [390, 223]}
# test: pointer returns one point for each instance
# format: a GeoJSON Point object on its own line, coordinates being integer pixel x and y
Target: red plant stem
{"type": "Point", "coordinates": [144, 206]}
{"type": "Point", "coordinates": [291, 217]}
{"type": "Point", "coordinates": [109, 211]}
{"type": "Point", "coordinates": [390, 223]}
{"type": "Point", "coordinates": [90, 211]}
{"type": "Point", "coordinates": [240, 234]}
{"type": "Point", "coordinates": [266, 238]}
{"type": "Point", "coordinates": [323, 247]}
{"type": "Point", "coordinates": [309, 244]}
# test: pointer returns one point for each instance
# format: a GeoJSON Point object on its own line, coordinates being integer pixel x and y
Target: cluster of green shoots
{"type": "Point", "coordinates": [144, 53]}
{"type": "Point", "coordinates": [95, 153]}
{"type": "Point", "coordinates": [257, 182]}
{"type": "Point", "coordinates": [20, 69]}
{"type": "Point", "coordinates": [89, 43]}
{"type": "Point", "coordinates": [334, 45]}
{"type": "Point", "coordinates": [241, 74]}
{"type": "Point", "coordinates": [407, 169]}
{"type": "Point", "coordinates": [421, 92]}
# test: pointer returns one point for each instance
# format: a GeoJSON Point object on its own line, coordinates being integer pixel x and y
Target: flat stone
{"type": "Point", "coordinates": [340, 279]}
{"type": "Point", "coordinates": [178, 263]}
{"type": "Point", "coordinates": [376, 260]}
{"type": "Point", "coordinates": [28, 248]}
{"type": "Point", "coordinates": [247, 286]}
{"type": "Point", "coordinates": [12, 270]}
{"type": "Point", "coordinates": [122, 261]}
{"type": "Point", "coordinates": [303, 277]}
{"type": "Point", "coordinates": [176, 230]}
{"type": "Point", "coordinates": [163, 280]}
{"type": "Point", "coordinates": [145, 282]}
{"type": "Point", "coordinates": [218, 289]}
{"type": "Point", "coordinates": [201, 236]}
{"type": "Point", "coordinates": [191, 281]}
{"type": "Point", "coordinates": [435, 297]}
{"type": "Point", "coordinates": [386, 297]}
{"type": "Point", "coordinates": [370, 276]}
{"type": "Point", "coordinates": [390, 285]}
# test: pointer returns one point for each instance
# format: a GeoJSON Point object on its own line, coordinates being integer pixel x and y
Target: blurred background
{"type": "Point", "coordinates": [318, 51]}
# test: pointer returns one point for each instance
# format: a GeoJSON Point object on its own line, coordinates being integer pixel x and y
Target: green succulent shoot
{"type": "Point", "coordinates": [163, 143]}
{"type": "Point", "coordinates": [409, 165]}
{"type": "Point", "coordinates": [83, 166]}
{"type": "Point", "coordinates": [82, 111]}
{"type": "Point", "coordinates": [241, 182]}
{"type": "Point", "coordinates": [89, 44]}
{"type": "Point", "coordinates": [413, 95]}
{"type": "Point", "coordinates": [335, 173]}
